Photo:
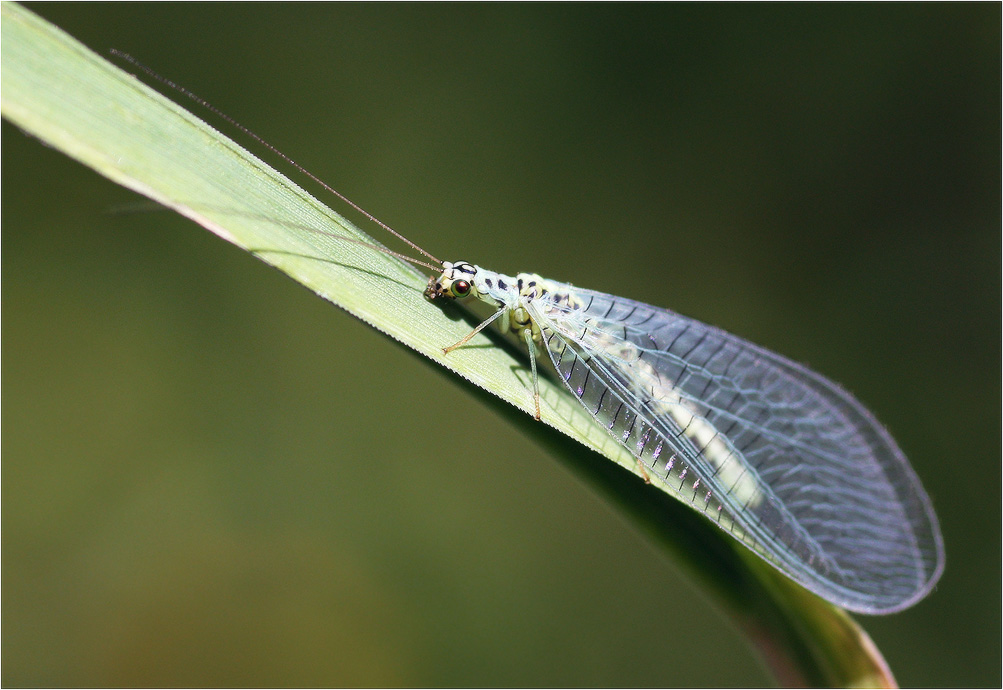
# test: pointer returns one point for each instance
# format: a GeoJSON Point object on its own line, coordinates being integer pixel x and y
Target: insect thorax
{"type": "Point", "coordinates": [524, 287]}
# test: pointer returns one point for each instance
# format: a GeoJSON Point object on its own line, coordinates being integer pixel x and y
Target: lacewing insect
{"type": "Point", "coordinates": [788, 462]}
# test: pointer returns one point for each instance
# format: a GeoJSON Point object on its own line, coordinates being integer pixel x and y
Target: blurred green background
{"type": "Point", "coordinates": [211, 477]}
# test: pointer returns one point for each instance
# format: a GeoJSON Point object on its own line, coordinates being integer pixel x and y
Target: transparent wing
{"type": "Point", "coordinates": [783, 458]}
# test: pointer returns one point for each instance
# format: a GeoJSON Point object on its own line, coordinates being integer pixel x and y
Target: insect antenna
{"type": "Point", "coordinates": [391, 252]}
{"type": "Point", "coordinates": [219, 113]}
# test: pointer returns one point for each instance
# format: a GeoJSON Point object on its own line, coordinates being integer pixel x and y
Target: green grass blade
{"type": "Point", "coordinates": [77, 102]}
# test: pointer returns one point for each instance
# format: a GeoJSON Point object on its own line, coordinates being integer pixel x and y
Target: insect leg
{"type": "Point", "coordinates": [471, 334]}
{"type": "Point", "coordinates": [644, 471]}
{"type": "Point", "coordinates": [531, 346]}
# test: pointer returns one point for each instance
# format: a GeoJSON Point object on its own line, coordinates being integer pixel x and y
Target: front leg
{"type": "Point", "coordinates": [502, 312]}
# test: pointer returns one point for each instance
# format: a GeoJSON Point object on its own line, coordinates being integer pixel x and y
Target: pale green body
{"type": "Point", "coordinates": [785, 460]}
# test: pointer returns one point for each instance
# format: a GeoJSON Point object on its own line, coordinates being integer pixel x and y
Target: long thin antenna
{"type": "Point", "coordinates": [219, 113]}
{"type": "Point", "coordinates": [391, 252]}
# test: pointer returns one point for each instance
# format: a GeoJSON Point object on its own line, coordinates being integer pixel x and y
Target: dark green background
{"type": "Point", "coordinates": [212, 477]}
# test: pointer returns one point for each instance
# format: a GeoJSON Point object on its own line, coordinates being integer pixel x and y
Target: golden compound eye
{"type": "Point", "coordinates": [460, 288]}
